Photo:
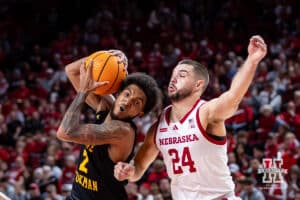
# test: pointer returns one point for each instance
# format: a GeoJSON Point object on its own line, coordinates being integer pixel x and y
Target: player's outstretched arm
{"type": "Point", "coordinates": [146, 154]}
{"type": "Point", "coordinates": [72, 130]}
{"type": "Point", "coordinates": [225, 106]}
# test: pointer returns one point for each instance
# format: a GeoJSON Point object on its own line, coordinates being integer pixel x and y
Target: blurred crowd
{"type": "Point", "coordinates": [39, 38]}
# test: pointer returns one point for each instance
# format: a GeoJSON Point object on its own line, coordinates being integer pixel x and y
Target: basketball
{"type": "Point", "coordinates": [106, 68]}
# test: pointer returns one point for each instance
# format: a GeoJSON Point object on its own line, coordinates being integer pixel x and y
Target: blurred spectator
{"type": "Point", "coordinates": [51, 193]}
{"type": "Point", "coordinates": [159, 171]}
{"type": "Point", "coordinates": [276, 69]}
{"type": "Point", "coordinates": [55, 169]}
{"type": "Point", "coordinates": [278, 191]}
{"type": "Point", "coordinates": [144, 192]}
{"type": "Point", "coordinates": [66, 190]}
{"type": "Point", "coordinates": [266, 122]}
{"type": "Point", "coordinates": [250, 192]}
{"type": "Point", "coordinates": [165, 188]}
{"type": "Point", "coordinates": [3, 84]}
{"type": "Point", "coordinates": [69, 169]}
{"type": "Point", "coordinates": [271, 146]}
{"type": "Point", "coordinates": [158, 197]}
{"type": "Point", "coordinates": [33, 123]}
{"type": "Point", "coordinates": [34, 192]}
{"type": "Point", "coordinates": [242, 157]}
{"type": "Point", "coordinates": [290, 118]}
{"type": "Point", "coordinates": [293, 181]}
{"type": "Point", "coordinates": [297, 195]}
{"type": "Point", "coordinates": [242, 118]}
{"type": "Point", "coordinates": [20, 193]}
{"type": "Point", "coordinates": [7, 187]}
{"type": "Point", "coordinates": [297, 101]}
{"type": "Point", "coordinates": [269, 96]}
{"type": "Point", "coordinates": [154, 188]}
{"type": "Point", "coordinates": [255, 164]}
{"type": "Point", "coordinates": [47, 179]}
{"type": "Point", "coordinates": [132, 191]}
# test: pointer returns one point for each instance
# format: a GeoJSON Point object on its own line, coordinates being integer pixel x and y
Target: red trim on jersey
{"type": "Point", "coordinates": [167, 115]}
{"type": "Point", "coordinates": [188, 113]}
{"type": "Point", "coordinates": [210, 139]}
{"type": "Point", "coordinates": [155, 133]}
{"type": "Point", "coordinates": [168, 112]}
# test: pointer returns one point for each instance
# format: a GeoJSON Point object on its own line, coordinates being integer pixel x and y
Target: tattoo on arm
{"type": "Point", "coordinates": [108, 132]}
{"type": "Point", "coordinates": [71, 118]}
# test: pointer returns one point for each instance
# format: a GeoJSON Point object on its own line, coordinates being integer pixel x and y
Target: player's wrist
{"type": "Point", "coordinates": [252, 61]}
{"type": "Point", "coordinates": [81, 95]}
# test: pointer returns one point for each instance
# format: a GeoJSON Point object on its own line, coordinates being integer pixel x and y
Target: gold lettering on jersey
{"type": "Point", "coordinates": [176, 140]}
{"type": "Point", "coordinates": [86, 182]}
{"type": "Point", "coordinates": [90, 148]}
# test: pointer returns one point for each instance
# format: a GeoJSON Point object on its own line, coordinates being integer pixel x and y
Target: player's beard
{"type": "Point", "coordinates": [180, 94]}
{"type": "Point", "coordinates": [116, 117]}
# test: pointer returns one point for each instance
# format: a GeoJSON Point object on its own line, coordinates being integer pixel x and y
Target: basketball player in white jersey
{"type": "Point", "coordinates": [191, 133]}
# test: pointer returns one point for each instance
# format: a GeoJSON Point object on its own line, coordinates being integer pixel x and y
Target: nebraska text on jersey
{"type": "Point", "coordinates": [180, 139]}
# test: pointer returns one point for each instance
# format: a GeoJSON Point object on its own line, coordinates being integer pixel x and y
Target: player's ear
{"type": "Point", "coordinates": [199, 83]}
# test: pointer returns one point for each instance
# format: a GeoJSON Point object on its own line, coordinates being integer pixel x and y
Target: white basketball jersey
{"type": "Point", "coordinates": [195, 162]}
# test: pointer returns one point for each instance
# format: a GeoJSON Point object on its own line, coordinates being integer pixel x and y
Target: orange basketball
{"type": "Point", "coordinates": [106, 68]}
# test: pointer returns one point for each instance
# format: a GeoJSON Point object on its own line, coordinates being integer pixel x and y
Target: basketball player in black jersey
{"type": "Point", "coordinates": [112, 138]}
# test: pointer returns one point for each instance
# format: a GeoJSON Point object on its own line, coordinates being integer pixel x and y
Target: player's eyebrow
{"type": "Point", "coordinates": [132, 92]}
{"type": "Point", "coordinates": [183, 70]}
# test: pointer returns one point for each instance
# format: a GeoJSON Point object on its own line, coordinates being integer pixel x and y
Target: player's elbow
{"type": "Point", "coordinates": [61, 134]}
{"type": "Point", "coordinates": [69, 69]}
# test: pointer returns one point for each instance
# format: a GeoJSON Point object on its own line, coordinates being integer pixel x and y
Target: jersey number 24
{"type": "Point", "coordinates": [184, 161]}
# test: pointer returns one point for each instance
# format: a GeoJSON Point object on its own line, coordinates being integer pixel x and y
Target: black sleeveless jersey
{"type": "Point", "coordinates": [94, 179]}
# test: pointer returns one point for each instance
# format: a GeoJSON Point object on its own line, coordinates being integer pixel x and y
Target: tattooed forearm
{"type": "Point", "coordinates": [110, 132]}
{"type": "Point", "coordinates": [72, 117]}
{"type": "Point", "coordinates": [113, 130]}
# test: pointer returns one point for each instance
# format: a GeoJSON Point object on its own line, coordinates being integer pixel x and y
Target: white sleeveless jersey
{"type": "Point", "coordinates": [195, 162]}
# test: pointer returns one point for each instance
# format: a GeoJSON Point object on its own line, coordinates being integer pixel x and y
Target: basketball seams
{"type": "Point", "coordinates": [114, 71]}
{"type": "Point", "coordinates": [95, 56]}
{"type": "Point", "coordinates": [104, 65]}
{"type": "Point", "coordinates": [116, 78]}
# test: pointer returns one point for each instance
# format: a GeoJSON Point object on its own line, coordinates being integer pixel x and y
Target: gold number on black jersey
{"type": "Point", "coordinates": [82, 166]}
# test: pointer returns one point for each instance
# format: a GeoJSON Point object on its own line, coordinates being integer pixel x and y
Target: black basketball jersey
{"type": "Point", "coordinates": [94, 179]}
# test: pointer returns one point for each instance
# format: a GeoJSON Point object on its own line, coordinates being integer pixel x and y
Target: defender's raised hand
{"type": "Point", "coordinates": [257, 49]}
{"type": "Point", "coordinates": [87, 84]}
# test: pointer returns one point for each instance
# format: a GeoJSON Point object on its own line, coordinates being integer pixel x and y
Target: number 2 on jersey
{"type": "Point", "coordinates": [82, 166]}
{"type": "Point", "coordinates": [186, 160]}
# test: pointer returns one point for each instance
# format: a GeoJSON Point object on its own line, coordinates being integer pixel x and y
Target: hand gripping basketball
{"type": "Point", "coordinates": [87, 84]}
{"type": "Point", "coordinates": [108, 67]}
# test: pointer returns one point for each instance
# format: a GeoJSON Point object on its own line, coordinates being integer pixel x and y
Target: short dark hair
{"type": "Point", "coordinates": [200, 70]}
{"type": "Point", "coordinates": [149, 87]}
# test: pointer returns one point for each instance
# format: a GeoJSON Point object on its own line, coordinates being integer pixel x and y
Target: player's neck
{"type": "Point", "coordinates": [180, 108]}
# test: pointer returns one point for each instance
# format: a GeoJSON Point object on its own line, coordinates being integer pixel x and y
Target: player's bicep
{"type": "Point", "coordinates": [221, 108]}
{"type": "Point", "coordinates": [112, 132]}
